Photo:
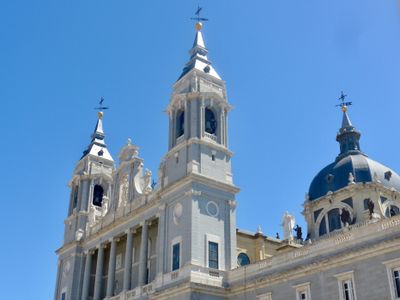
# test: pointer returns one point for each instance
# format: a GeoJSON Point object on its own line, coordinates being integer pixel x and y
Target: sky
{"type": "Point", "coordinates": [284, 62]}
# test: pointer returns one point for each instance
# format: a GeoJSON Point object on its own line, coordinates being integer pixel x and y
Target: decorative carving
{"type": "Point", "coordinates": [376, 178]}
{"type": "Point", "coordinates": [147, 182]}
{"type": "Point", "coordinates": [306, 197]}
{"type": "Point", "coordinates": [177, 214]}
{"type": "Point", "coordinates": [288, 222]}
{"type": "Point", "coordinates": [232, 203]}
{"type": "Point", "coordinates": [79, 235]}
{"type": "Point", "coordinates": [351, 178]}
{"type": "Point", "coordinates": [192, 192]}
{"type": "Point", "coordinates": [212, 208]}
{"type": "Point", "coordinates": [123, 190]}
{"type": "Point", "coordinates": [143, 182]}
{"type": "Point", "coordinates": [66, 269]}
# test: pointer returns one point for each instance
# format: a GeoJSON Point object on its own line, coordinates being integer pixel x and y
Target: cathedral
{"type": "Point", "coordinates": [127, 237]}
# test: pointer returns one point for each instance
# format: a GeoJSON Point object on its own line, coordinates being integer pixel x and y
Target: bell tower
{"type": "Point", "coordinates": [195, 175]}
{"type": "Point", "coordinates": [198, 109]}
{"type": "Point", "coordinates": [91, 190]}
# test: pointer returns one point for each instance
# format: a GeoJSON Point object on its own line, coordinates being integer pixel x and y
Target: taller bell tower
{"type": "Point", "coordinates": [198, 109]}
{"type": "Point", "coordinates": [195, 175]}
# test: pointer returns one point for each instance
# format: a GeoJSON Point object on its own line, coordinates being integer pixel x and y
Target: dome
{"type": "Point", "coordinates": [336, 175]}
{"type": "Point", "coordinates": [350, 160]}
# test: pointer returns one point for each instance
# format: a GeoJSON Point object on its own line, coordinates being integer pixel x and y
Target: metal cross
{"type": "Point", "coordinates": [342, 98]}
{"type": "Point", "coordinates": [197, 15]}
{"type": "Point", "coordinates": [101, 107]}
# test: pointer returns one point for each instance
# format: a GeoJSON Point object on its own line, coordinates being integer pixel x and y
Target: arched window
{"type": "Point", "coordinates": [75, 197]}
{"type": "Point", "coordinates": [391, 211]}
{"type": "Point", "coordinates": [330, 222]}
{"type": "Point", "coordinates": [334, 219]}
{"type": "Point", "coordinates": [322, 227]}
{"type": "Point", "coordinates": [243, 259]}
{"type": "Point", "coordinates": [180, 123]}
{"type": "Point", "coordinates": [210, 121]}
{"type": "Point", "coordinates": [98, 193]}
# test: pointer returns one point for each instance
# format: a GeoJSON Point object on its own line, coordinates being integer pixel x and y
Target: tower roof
{"type": "Point", "coordinates": [350, 160]}
{"type": "Point", "coordinates": [97, 146]}
{"type": "Point", "coordinates": [348, 137]}
{"type": "Point", "coordinates": [198, 56]}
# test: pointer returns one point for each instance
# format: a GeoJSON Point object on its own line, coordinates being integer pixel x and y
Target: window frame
{"type": "Point", "coordinates": [180, 123]}
{"type": "Point", "coordinates": [303, 288]}
{"type": "Point", "coordinates": [343, 278]}
{"type": "Point", "coordinates": [266, 296]}
{"type": "Point", "coordinates": [391, 266]}
{"type": "Point", "coordinates": [214, 115]}
{"type": "Point", "coordinates": [175, 241]}
{"type": "Point", "coordinates": [214, 239]}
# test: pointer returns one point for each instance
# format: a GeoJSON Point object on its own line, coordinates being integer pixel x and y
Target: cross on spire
{"type": "Point", "coordinates": [344, 104]}
{"type": "Point", "coordinates": [101, 107]}
{"type": "Point", "coordinates": [197, 15]}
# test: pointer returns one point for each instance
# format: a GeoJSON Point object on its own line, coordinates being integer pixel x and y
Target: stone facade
{"type": "Point", "coordinates": [126, 238]}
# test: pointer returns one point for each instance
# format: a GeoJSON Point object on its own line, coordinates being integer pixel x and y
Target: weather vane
{"type": "Point", "coordinates": [101, 107]}
{"type": "Point", "coordinates": [197, 15]}
{"type": "Point", "coordinates": [344, 105]}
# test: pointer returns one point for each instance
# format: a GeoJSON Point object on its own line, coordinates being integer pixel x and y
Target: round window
{"type": "Point", "coordinates": [243, 259]}
{"type": "Point", "coordinates": [212, 208]}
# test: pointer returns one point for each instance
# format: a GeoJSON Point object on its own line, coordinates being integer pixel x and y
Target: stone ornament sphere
{"type": "Point", "coordinates": [212, 208]}
{"type": "Point", "coordinates": [177, 214]}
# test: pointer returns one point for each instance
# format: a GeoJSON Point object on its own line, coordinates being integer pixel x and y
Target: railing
{"type": "Point", "coordinates": [358, 232]}
{"type": "Point", "coordinates": [180, 139]}
{"type": "Point", "coordinates": [210, 136]}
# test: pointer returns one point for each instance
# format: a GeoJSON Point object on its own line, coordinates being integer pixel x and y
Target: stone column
{"type": "Point", "coordinates": [161, 249]}
{"type": "Point", "coordinates": [86, 276]}
{"type": "Point", "coordinates": [99, 273]}
{"type": "Point", "coordinates": [111, 268]}
{"type": "Point", "coordinates": [128, 260]}
{"type": "Point", "coordinates": [84, 194]}
{"type": "Point", "coordinates": [143, 254]}
{"type": "Point", "coordinates": [202, 115]}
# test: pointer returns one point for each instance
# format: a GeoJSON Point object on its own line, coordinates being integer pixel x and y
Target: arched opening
{"type": "Point", "coordinates": [243, 259]}
{"type": "Point", "coordinates": [322, 227]}
{"type": "Point", "coordinates": [180, 123]}
{"type": "Point", "coordinates": [391, 211]}
{"type": "Point", "coordinates": [210, 121]}
{"type": "Point", "coordinates": [98, 193]}
{"type": "Point", "coordinates": [334, 219]}
{"type": "Point", "coordinates": [331, 221]}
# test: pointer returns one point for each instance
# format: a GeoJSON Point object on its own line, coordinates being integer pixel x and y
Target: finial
{"type": "Point", "coordinates": [100, 115]}
{"type": "Point", "coordinates": [198, 26]}
{"type": "Point", "coordinates": [197, 17]}
{"type": "Point", "coordinates": [343, 105]}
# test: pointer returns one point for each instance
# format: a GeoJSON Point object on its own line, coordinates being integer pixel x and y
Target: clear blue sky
{"type": "Point", "coordinates": [285, 63]}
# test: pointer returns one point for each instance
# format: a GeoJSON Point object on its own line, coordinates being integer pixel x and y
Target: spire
{"type": "Point", "coordinates": [198, 55]}
{"type": "Point", "coordinates": [97, 146]}
{"type": "Point", "coordinates": [348, 136]}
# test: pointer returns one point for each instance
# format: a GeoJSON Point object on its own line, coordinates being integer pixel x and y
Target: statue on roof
{"type": "Point", "coordinates": [299, 232]}
{"type": "Point", "coordinates": [288, 222]}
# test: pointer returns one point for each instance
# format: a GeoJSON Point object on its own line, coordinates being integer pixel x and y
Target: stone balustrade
{"type": "Point", "coordinates": [354, 233]}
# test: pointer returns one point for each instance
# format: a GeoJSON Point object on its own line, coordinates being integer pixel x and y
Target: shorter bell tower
{"type": "Point", "coordinates": [91, 191]}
